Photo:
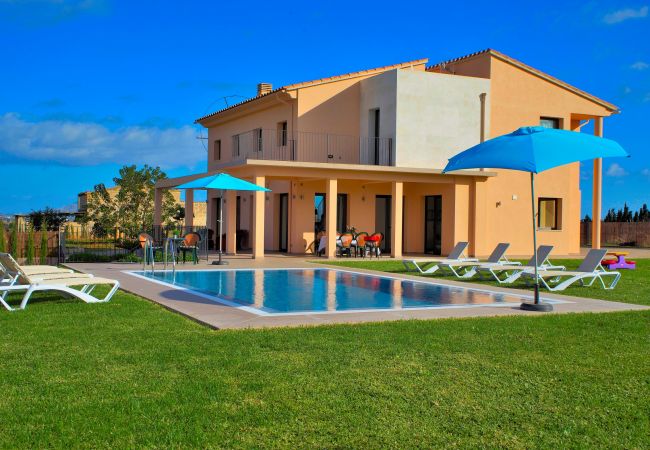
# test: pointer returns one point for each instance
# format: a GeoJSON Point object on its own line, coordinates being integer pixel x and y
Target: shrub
{"type": "Point", "coordinates": [43, 252]}
{"type": "Point", "coordinates": [13, 240]}
{"type": "Point", "coordinates": [3, 243]}
{"type": "Point", "coordinates": [30, 246]}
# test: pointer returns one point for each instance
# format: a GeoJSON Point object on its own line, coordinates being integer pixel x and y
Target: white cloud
{"type": "Point", "coordinates": [622, 15]}
{"type": "Point", "coordinates": [640, 65]}
{"type": "Point", "coordinates": [646, 173]}
{"type": "Point", "coordinates": [83, 144]}
{"type": "Point", "coordinates": [615, 170]}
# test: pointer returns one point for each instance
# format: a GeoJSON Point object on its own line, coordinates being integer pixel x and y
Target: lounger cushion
{"type": "Point", "coordinates": [77, 281]}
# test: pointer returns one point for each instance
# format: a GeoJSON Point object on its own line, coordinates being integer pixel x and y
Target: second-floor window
{"type": "Point", "coordinates": [550, 122]}
{"type": "Point", "coordinates": [217, 150]}
{"type": "Point", "coordinates": [282, 134]}
{"type": "Point", "coordinates": [259, 139]}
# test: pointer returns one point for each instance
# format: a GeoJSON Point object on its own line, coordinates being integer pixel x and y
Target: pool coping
{"type": "Point", "coordinates": [260, 312]}
{"type": "Point", "coordinates": [218, 316]}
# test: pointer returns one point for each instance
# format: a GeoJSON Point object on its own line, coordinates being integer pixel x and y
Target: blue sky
{"type": "Point", "coordinates": [90, 84]}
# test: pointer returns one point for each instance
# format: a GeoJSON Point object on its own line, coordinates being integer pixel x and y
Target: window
{"type": "Point", "coordinates": [549, 212]}
{"type": "Point", "coordinates": [550, 122]}
{"type": "Point", "coordinates": [235, 146]}
{"type": "Point", "coordinates": [373, 133]}
{"type": "Point", "coordinates": [217, 150]}
{"type": "Point", "coordinates": [259, 143]}
{"type": "Point", "coordinates": [282, 134]}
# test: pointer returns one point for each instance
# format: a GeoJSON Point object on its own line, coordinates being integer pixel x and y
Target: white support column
{"type": "Point", "coordinates": [258, 218]}
{"type": "Point", "coordinates": [331, 193]}
{"type": "Point", "coordinates": [396, 219]}
{"type": "Point", "coordinates": [596, 210]}
{"type": "Point", "coordinates": [189, 208]}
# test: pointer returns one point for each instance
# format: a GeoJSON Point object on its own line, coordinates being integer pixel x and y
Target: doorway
{"type": "Point", "coordinates": [320, 212]}
{"type": "Point", "coordinates": [383, 222]}
{"type": "Point", "coordinates": [283, 239]}
{"type": "Point", "coordinates": [433, 224]}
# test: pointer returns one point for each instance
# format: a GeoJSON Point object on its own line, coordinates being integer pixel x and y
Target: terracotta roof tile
{"type": "Point", "coordinates": [304, 84]}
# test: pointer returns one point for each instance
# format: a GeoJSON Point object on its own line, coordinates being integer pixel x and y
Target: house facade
{"type": "Point", "coordinates": [365, 150]}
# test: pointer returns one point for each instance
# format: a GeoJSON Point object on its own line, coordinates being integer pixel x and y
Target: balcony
{"type": "Point", "coordinates": [312, 147]}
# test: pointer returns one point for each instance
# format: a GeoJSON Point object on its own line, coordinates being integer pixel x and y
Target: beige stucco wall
{"type": "Point", "coordinates": [517, 99]}
{"type": "Point", "coordinates": [437, 117]}
{"type": "Point", "coordinates": [429, 116]}
{"type": "Point", "coordinates": [267, 118]}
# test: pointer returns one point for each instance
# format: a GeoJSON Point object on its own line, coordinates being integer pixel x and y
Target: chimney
{"type": "Point", "coordinates": [264, 88]}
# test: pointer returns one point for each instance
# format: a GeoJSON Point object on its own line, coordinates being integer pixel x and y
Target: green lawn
{"type": "Point", "coordinates": [131, 374]}
{"type": "Point", "coordinates": [634, 286]}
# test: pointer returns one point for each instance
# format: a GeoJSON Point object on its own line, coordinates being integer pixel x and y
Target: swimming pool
{"type": "Point", "coordinates": [304, 291]}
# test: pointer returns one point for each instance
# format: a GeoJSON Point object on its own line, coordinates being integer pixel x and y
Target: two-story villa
{"type": "Point", "coordinates": [366, 150]}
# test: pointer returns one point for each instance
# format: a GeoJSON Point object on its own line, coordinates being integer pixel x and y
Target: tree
{"type": "Point", "coordinates": [587, 218]}
{"type": "Point", "coordinates": [131, 209]}
{"type": "Point", "coordinates": [13, 240]}
{"type": "Point", "coordinates": [52, 217]}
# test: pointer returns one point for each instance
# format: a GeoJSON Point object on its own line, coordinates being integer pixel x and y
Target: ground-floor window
{"type": "Point", "coordinates": [548, 217]}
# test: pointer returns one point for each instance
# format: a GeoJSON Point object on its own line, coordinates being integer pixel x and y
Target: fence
{"type": "Point", "coordinates": [79, 245]}
{"type": "Point", "coordinates": [618, 234]}
{"type": "Point", "coordinates": [44, 249]}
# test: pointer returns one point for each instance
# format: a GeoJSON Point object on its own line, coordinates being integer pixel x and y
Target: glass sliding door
{"type": "Point", "coordinates": [383, 223]}
{"type": "Point", "coordinates": [283, 239]}
{"type": "Point", "coordinates": [433, 224]}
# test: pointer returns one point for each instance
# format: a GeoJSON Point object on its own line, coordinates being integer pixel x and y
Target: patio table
{"type": "Point", "coordinates": [619, 262]}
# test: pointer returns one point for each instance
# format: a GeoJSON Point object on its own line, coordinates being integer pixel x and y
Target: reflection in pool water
{"type": "Point", "coordinates": [319, 290]}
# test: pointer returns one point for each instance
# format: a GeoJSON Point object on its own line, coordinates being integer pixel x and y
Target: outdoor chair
{"type": "Point", "coordinates": [190, 244]}
{"type": "Point", "coordinates": [587, 273]}
{"type": "Point", "coordinates": [345, 245]}
{"type": "Point", "coordinates": [149, 249]}
{"type": "Point", "coordinates": [360, 244]}
{"type": "Point", "coordinates": [373, 244]}
{"type": "Point", "coordinates": [60, 282]}
{"type": "Point", "coordinates": [430, 265]}
{"type": "Point", "coordinates": [464, 269]}
{"type": "Point", "coordinates": [510, 273]}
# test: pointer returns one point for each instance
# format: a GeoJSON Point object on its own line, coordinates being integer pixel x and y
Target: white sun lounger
{"type": "Point", "coordinates": [587, 273]}
{"type": "Point", "coordinates": [506, 274]}
{"type": "Point", "coordinates": [61, 282]}
{"type": "Point", "coordinates": [431, 265]}
{"type": "Point", "coordinates": [467, 269]}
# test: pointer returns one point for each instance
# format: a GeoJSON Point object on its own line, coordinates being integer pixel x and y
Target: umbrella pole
{"type": "Point", "coordinates": [536, 306]}
{"type": "Point", "coordinates": [220, 261]}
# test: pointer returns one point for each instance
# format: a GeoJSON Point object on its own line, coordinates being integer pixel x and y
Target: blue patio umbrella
{"type": "Point", "coordinates": [535, 149]}
{"type": "Point", "coordinates": [222, 182]}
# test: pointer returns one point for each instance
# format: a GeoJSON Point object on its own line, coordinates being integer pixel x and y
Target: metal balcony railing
{"type": "Point", "coordinates": [312, 147]}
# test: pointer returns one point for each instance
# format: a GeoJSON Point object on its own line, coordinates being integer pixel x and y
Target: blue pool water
{"type": "Point", "coordinates": [323, 290]}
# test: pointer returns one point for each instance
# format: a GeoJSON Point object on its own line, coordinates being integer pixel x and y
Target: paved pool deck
{"type": "Point", "coordinates": [221, 316]}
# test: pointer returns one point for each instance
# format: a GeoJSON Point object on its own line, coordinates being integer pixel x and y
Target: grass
{"type": "Point", "coordinates": [131, 374]}
{"type": "Point", "coordinates": [634, 286]}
